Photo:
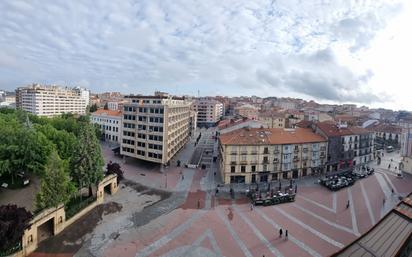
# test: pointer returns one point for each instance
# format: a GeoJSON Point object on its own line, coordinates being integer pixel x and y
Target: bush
{"type": "Point", "coordinates": [11, 250]}
{"type": "Point", "coordinates": [76, 204]}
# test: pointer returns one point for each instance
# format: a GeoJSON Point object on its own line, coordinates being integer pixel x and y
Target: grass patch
{"type": "Point", "coordinates": [76, 204]}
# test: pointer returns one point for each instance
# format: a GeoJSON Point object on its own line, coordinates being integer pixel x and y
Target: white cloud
{"type": "Point", "coordinates": [297, 48]}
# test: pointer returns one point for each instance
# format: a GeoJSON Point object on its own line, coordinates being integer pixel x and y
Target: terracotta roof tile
{"type": "Point", "coordinates": [263, 136]}
{"type": "Point", "coordinates": [103, 112]}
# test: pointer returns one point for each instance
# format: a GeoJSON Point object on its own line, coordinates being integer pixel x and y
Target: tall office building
{"type": "Point", "coordinates": [155, 127]}
{"type": "Point", "coordinates": [52, 100]}
{"type": "Point", "coordinates": [209, 112]}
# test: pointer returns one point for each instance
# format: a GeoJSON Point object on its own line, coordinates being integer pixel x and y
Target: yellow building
{"type": "Point", "coordinates": [263, 155]}
{"type": "Point", "coordinates": [272, 120]}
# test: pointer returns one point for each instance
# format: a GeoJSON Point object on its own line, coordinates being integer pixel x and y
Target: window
{"type": "Point", "coordinates": [253, 168]}
{"type": "Point", "coordinates": [142, 136]}
{"type": "Point", "coordinates": [129, 125]}
{"type": "Point", "coordinates": [265, 167]}
{"type": "Point", "coordinates": [242, 168]}
{"type": "Point", "coordinates": [232, 169]}
{"type": "Point", "coordinates": [141, 144]}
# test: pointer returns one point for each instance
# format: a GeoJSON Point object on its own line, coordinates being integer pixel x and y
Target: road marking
{"type": "Point", "coordinates": [390, 183]}
{"type": "Point", "coordinates": [319, 205]}
{"type": "Point", "coordinates": [335, 201]}
{"type": "Point", "coordinates": [302, 245]}
{"type": "Point", "coordinates": [170, 236]}
{"type": "Point", "coordinates": [353, 213]}
{"type": "Point", "coordinates": [262, 238]}
{"type": "Point", "coordinates": [309, 228]}
{"type": "Point", "coordinates": [368, 204]}
{"type": "Point", "coordinates": [196, 244]}
{"type": "Point", "coordinates": [383, 185]}
{"type": "Point", "coordinates": [333, 224]}
{"type": "Point", "coordinates": [234, 235]}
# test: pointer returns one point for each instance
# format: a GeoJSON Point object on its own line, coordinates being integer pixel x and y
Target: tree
{"type": "Point", "coordinates": [13, 221]}
{"type": "Point", "coordinates": [114, 168]}
{"type": "Point", "coordinates": [93, 108]}
{"type": "Point", "coordinates": [87, 162]}
{"type": "Point", "coordinates": [106, 106]}
{"type": "Point", "coordinates": [55, 187]}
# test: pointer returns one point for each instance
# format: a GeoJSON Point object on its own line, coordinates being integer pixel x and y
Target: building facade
{"type": "Point", "coordinates": [209, 112]}
{"type": "Point", "coordinates": [248, 111]}
{"type": "Point", "coordinates": [154, 128]}
{"type": "Point", "coordinates": [264, 155]}
{"type": "Point", "coordinates": [271, 120]}
{"type": "Point", "coordinates": [110, 123]}
{"type": "Point", "coordinates": [348, 147]}
{"type": "Point", "coordinates": [52, 100]}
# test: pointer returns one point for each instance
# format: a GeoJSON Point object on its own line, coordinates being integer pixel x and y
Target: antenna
{"type": "Point", "coordinates": [198, 93]}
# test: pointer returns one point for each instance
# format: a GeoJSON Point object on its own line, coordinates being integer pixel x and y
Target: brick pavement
{"type": "Point", "coordinates": [318, 221]}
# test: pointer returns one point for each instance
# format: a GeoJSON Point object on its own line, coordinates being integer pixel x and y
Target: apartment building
{"type": "Point", "coordinates": [155, 127]}
{"type": "Point", "coordinates": [52, 100]}
{"type": "Point", "coordinates": [272, 120]}
{"type": "Point", "coordinates": [268, 154]}
{"type": "Point", "coordinates": [348, 147]}
{"type": "Point", "coordinates": [248, 111]}
{"type": "Point", "coordinates": [110, 123]}
{"type": "Point", "coordinates": [209, 112]}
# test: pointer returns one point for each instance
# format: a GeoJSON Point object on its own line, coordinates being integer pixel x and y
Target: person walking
{"type": "Point", "coordinates": [198, 204]}
{"type": "Point", "coordinates": [251, 206]}
{"type": "Point", "coordinates": [347, 205]}
{"type": "Point", "coordinates": [280, 233]}
{"type": "Point", "coordinates": [383, 201]}
{"type": "Point", "coordinates": [286, 234]}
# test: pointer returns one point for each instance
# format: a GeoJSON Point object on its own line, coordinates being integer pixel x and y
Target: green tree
{"type": "Point", "coordinates": [55, 187]}
{"type": "Point", "coordinates": [93, 108]}
{"type": "Point", "coordinates": [106, 106]}
{"type": "Point", "coordinates": [87, 162]}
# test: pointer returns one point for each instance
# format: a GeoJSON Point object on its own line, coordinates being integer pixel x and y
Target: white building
{"type": "Point", "coordinates": [52, 100]}
{"type": "Point", "coordinates": [209, 111]}
{"type": "Point", "coordinates": [110, 123]}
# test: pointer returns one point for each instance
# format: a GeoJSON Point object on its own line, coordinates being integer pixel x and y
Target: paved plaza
{"type": "Point", "coordinates": [194, 221]}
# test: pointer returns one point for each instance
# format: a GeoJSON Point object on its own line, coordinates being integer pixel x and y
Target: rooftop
{"type": "Point", "coordinates": [387, 238]}
{"type": "Point", "coordinates": [103, 112]}
{"type": "Point", "coordinates": [264, 136]}
{"type": "Point", "coordinates": [333, 130]}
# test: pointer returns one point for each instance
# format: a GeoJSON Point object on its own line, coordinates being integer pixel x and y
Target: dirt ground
{"type": "Point", "coordinates": [70, 240]}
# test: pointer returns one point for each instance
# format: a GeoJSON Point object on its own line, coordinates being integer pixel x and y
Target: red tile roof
{"type": "Point", "coordinates": [264, 136]}
{"type": "Point", "coordinates": [103, 112]}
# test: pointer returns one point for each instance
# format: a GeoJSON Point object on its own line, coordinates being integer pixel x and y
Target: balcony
{"type": "Point", "coordinates": [265, 162]}
{"type": "Point", "coordinates": [295, 159]}
{"type": "Point", "coordinates": [305, 150]}
{"type": "Point", "coordinates": [266, 152]}
{"type": "Point", "coordinates": [243, 153]}
{"type": "Point", "coordinates": [243, 162]}
{"type": "Point", "coordinates": [275, 161]}
{"type": "Point", "coordinates": [276, 152]}
{"type": "Point", "coordinates": [253, 153]}
{"type": "Point", "coordinates": [232, 163]}
{"type": "Point", "coordinates": [233, 153]}
{"type": "Point", "coordinates": [296, 151]}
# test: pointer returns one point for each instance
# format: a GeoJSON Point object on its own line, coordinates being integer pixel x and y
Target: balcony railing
{"type": "Point", "coordinates": [243, 153]}
{"type": "Point", "coordinates": [295, 159]}
{"type": "Point", "coordinates": [253, 153]}
{"type": "Point", "coordinates": [233, 153]}
{"type": "Point", "coordinates": [232, 163]}
{"type": "Point", "coordinates": [276, 152]}
{"type": "Point", "coordinates": [296, 151]}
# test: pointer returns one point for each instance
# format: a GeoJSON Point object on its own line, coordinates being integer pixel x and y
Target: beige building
{"type": "Point", "coordinates": [110, 123]}
{"type": "Point", "coordinates": [248, 111]}
{"type": "Point", "coordinates": [52, 100]}
{"type": "Point", "coordinates": [155, 128]}
{"type": "Point", "coordinates": [263, 155]}
{"type": "Point", "coordinates": [209, 111]}
{"type": "Point", "coordinates": [272, 120]}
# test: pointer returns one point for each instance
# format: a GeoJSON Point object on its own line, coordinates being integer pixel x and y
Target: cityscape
{"type": "Point", "coordinates": [204, 129]}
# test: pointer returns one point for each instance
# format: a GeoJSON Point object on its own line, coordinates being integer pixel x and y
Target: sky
{"type": "Point", "coordinates": [330, 51]}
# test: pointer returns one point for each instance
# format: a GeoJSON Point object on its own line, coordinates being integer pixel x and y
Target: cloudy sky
{"type": "Point", "coordinates": [332, 51]}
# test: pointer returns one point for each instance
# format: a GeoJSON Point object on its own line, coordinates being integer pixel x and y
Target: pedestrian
{"type": "Point", "coordinates": [251, 206]}
{"type": "Point", "coordinates": [198, 204]}
{"type": "Point", "coordinates": [280, 233]}
{"type": "Point", "coordinates": [383, 202]}
{"type": "Point", "coordinates": [389, 167]}
{"type": "Point", "coordinates": [183, 177]}
{"type": "Point", "coordinates": [347, 205]}
{"type": "Point", "coordinates": [286, 234]}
